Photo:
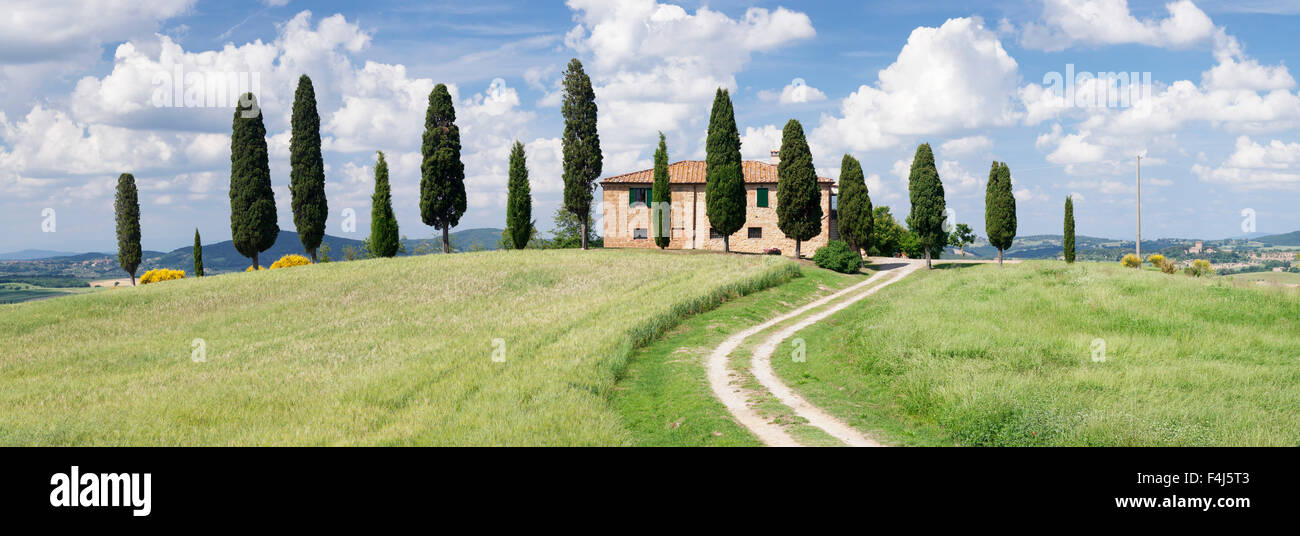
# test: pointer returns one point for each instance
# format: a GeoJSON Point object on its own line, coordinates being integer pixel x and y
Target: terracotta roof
{"type": "Point", "coordinates": [692, 172]}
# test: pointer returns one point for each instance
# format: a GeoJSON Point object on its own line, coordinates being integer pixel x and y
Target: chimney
{"type": "Point", "coordinates": [776, 156]}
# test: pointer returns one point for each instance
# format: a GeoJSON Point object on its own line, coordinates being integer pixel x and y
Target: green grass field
{"type": "Point", "coordinates": [978, 355]}
{"type": "Point", "coordinates": [21, 292]}
{"type": "Point", "coordinates": [1272, 278]}
{"type": "Point", "coordinates": [665, 399]}
{"type": "Point", "coordinates": [378, 352]}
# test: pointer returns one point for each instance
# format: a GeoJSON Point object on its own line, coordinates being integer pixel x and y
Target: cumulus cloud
{"type": "Point", "coordinates": [655, 66]}
{"type": "Point", "coordinates": [796, 92]}
{"type": "Point", "coordinates": [956, 76]}
{"type": "Point", "coordinates": [41, 31]}
{"type": "Point", "coordinates": [1253, 166]}
{"type": "Point", "coordinates": [1067, 23]}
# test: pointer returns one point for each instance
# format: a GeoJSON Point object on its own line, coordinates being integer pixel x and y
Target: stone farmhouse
{"type": "Point", "coordinates": [627, 212]}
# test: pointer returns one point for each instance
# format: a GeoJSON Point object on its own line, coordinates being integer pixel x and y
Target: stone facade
{"type": "Point", "coordinates": [627, 224]}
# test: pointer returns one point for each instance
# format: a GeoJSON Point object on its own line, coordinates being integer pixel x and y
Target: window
{"type": "Point", "coordinates": [762, 197]}
{"type": "Point", "coordinates": [713, 234]}
{"type": "Point", "coordinates": [638, 195]}
{"type": "Point", "coordinates": [640, 233]}
{"type": "Point", "coordinates": [756, 232]}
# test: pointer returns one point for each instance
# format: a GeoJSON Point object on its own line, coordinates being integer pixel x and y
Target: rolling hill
{"type": "Point", "coordinates": [1289, 239]}
{"type": "Point", "coordinates": [488, 348]}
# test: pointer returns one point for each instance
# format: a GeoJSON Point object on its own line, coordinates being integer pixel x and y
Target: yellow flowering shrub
{"type": "Point", "coordinates": [161, 274]}
{"type": "Point", "coordinates": [1131, 261]}
{"type": "Point", "coordinates": [250, 268]}
{"type": "Point", "coordinates": [289, 261]}
{"type": "Point", "coordinates": [1201, 267]}
{"type": "Point", "coordinates": [1156, 259]}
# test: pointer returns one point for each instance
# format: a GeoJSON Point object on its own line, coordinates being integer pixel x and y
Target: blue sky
{"type": "Point", "coordinates": [1217, 119]}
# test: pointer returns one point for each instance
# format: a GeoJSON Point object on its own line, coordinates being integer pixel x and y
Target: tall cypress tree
{"type": "Point", "coordinates": [442, 174]}
{"type": "Point", "coordinates": [582, 157]}
{"type": "Point", "coordinates": [253, 224]}
{"type": "Point", "coordinates": [383, 224]}
{"type": "Point", "coordinates": [1067, 241]}
{"type": "Point", "coordinates": [126, 209]}
{"type": "Point", "coordinates": [661, 196]}
{"type": "Point", "coordinates": [198, 254]}
{"type": "Point", "coordinates": [856, 218]}
{"type": "Point", "coordinates": [724, 179]}
{"type": "Point", "coordinates": [519, 205]}
{"type": "Point", "coordinates": [928, 206]}
{"type": "Point", "coordinates": [798, 199]}
{"type": "Point", "coordinates": [1000, 209]}
{"type": "Point", "coordinates": [307, 169]}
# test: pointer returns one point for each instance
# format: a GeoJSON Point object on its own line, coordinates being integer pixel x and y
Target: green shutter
{"type": "Point", "coordinates": [762, 197]}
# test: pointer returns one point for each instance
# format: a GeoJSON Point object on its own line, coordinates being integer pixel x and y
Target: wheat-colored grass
{"type": "Point", "coordinates": [378, 352]}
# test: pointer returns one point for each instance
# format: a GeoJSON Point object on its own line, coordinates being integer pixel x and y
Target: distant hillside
{"type": "Point", "coordinates": [1289, 239]}
{"type": "Point", "coordinates": [29, 254]}
{"type": "Point", "coordinates": [223, 257]}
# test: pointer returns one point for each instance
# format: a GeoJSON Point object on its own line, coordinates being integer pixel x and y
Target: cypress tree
{"type": "Point", "coordinates": [1000, 209]}
{"type": "Point", "coordinates": [519, 205]}
{"type": "Point", "coordinates": [661, 196]}
{"type": "Point", "coordinates": [1067, 241]}
{"type": "Point", "coordinates": [253, 224]}
{"type": "Point", "coordinates": [442, 174]}
{"type": "Point", "coordinates": [929, 209]}
{"type": "Point", "coordinates": [307, 173]}
{"type": "Point", "coordinates": [582, 157]}
{"type": "Point", "coordinates": [383, 224]}
{"type": "Point", "coordinates": [798, 199]}
{"type": "Point", "coordinates": [724, 179]}
{"type": "Point", "coordinates": [856, 218]}
{"type": "Point", "coordinates": [126, 208]}
{"type": "Point", "coordinates": [198, 254]}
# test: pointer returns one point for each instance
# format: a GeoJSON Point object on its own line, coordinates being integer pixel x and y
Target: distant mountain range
{"type": "Point", "coordinates": [30, 254]}
{"type": "Point", "coordinates": [223, 257]}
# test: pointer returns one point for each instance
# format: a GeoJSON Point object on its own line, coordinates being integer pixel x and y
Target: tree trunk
{"type": "Point", "coordinates": [584, 233]}
{"type": "Point", "coordinates": [927, 259]}
{"type": "Point", "coordinates": [133, 280]}
{"type": "Point", "coordinates": [797, 253]}
{"type": "Point", "coordinates": [313, 256]}
{"type": "Point", "coordinates": [446, 240]}
{"type": "Point", "coordinates": [963, 253]}
{"type": "Point", "coordinates": [726, 243]}
{"type": "Point", "coordinates": [999, 257]}
{"type": "Point", "coordinates": [255, 265]}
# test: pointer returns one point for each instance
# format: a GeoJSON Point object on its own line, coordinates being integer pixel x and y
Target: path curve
{"type": "Point", "coordinates": [760, 365]}
{"type": "Point", "coordinates": [736, 398]}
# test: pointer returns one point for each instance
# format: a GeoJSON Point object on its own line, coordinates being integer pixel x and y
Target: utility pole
{"type": "Point", "coordinates": [1139, 207]}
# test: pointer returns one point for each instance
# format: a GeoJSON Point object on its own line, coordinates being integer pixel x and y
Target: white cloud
{"type": "Point", "coordinates": [758, 143]}
{"type": "Point", "coordinates": [1257, 166]}
{"type": "Point", "coordinates": [953, 77]}
{"type": "Point", "coordinates": [1067, 23]}
{"type": "Point", "coordinates": [655, 66]}
{"type": "Point", "coordinates": [796, 92]}
{"type": "Point", "coordinates": [967, 145]}
{"type": "Point", "coordinates": [41, 30]}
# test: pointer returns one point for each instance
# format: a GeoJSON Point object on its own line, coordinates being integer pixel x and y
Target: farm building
{"type": "Point", "coordinates": [627, 212]}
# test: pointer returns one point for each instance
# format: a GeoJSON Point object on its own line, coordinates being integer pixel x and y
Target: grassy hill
{"type": "Point", "coordinates": [981, 355]}
{"type": "Point", "coordinates": [1288, 239]}
{"type": "Point", "coordinates": [373, 352]}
